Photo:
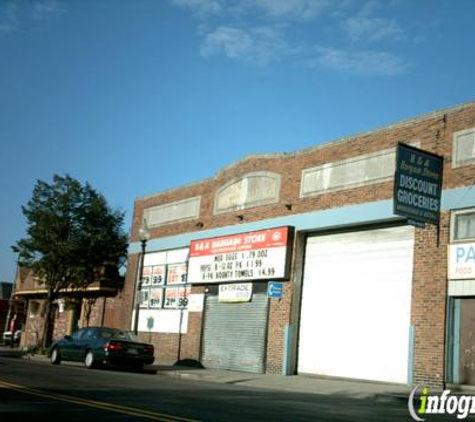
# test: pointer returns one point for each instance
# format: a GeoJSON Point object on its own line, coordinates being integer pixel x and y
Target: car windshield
{"type": "Point", "coordinates": [118, 335]}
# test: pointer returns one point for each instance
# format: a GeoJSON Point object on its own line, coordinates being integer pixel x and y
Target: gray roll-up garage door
{"type": "Point", "coordinates": [234, 335]}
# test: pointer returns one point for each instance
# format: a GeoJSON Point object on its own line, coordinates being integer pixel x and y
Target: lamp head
{"type": "Point", "coordinates": [144, 232]}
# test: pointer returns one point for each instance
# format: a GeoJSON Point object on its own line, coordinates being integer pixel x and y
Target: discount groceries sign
{"type": "Point", "coordinates": [418, 184]}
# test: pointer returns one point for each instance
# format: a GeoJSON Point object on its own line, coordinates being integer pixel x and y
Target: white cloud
{"type": "Point", "coordinates": [200, 8]}
{"type": "Point", "coordinates": [15, 13]}
{"type": "Point", "coordinates": [294, 9]}
{"type": "Point", "coordinates": [363, 63]}
{"type": "Point", "coordinates": [364, 26]}
{"type": "Point", "coordinates": [44, 8]}
{"type": "Point", "coordinates": [8, 15]}
{"type": "Point", "coordinates": [256, 32]}
{"type": "Point", "coordinates": [281, 9]}
{"type": "Point", "coordinates": [360, 27]}
{"type": "Point", "coordinates": [255, 46]}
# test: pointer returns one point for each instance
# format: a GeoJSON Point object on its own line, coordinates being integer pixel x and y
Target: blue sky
{"type": "Point", "coordinates": [138, 96]}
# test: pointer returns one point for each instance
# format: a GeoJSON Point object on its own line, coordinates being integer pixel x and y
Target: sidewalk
{"type": "Point", "coordinates": [297, 383]}
{"type": "Point", "coordinates": [309, 384]}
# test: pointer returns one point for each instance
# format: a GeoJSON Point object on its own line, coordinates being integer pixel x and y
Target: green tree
{"type": "Point", "coordinates": [73, 239]}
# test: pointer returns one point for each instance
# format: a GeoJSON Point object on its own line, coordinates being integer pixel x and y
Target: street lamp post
{"type": "Point", "coordinates": [144, 235]}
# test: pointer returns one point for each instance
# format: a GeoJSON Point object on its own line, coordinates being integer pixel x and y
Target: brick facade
{"type": "Point", "coordinates": [433, 132]}
{"type": "Point", "coordinates": [81, 309]}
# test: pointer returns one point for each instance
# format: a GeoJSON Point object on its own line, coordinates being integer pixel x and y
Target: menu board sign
{"type": "Point", "coordinates": [259, 255]}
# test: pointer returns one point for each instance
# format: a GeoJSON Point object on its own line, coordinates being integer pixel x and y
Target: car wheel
{"type": "Point", "coordinates": [55, 356]}
{"type": "Point", "coordinates": [90, 360]}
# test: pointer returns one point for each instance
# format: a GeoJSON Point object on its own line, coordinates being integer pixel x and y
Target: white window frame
{"type": "Point", "coordinates": [466, 162]}
{"type": "Point", "coordinates": [453, 220]}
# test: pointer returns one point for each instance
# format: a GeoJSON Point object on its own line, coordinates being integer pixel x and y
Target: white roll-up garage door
{"type": "Point", "coordinates": [356, 300]}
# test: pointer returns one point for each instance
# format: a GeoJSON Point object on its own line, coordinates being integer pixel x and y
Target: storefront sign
{"type": "Point", "coordinates": [144, 298]}
{"type": "Point", "coordinates": [146, 276]}
{"type": "Point", "coordinates": [158, 275]}
{"type": "Point", "coordinates": [462, 261]}
{"type": "Point", "coordinates": [156, 298]}
{"type": "Point", "coordinates": [176, 297]}
{"type": "Point", "coordinates": [418, 184]}
{"type": "Point", "coordinates": [176, 273]}
{"type": "Point", "coordinates": [241, 292]}
{"type": "Point", "coordinates": [259, 255]}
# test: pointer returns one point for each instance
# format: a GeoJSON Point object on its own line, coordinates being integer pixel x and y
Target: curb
{"type": "Point", "coordinates": [196, 375]}
{"type": "Point", "coordinates": [391, 398]}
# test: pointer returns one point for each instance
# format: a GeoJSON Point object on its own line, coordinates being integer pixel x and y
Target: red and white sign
{"type": "Point", "coordinates": [177, 297]}
{"type": "Point", "coordinates": [176, 273]}
{"type": "Point", "coordinates": [146, 276]}
{"type": "Point", "coordinates": [156, 298]}
{"type": "Point", "coordinates": [158, 275]}
{"type": "Point", "coordinates": [259, 255]}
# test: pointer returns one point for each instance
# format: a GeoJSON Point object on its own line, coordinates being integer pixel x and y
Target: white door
{"type": "Point", "coordinates": [356, 305]}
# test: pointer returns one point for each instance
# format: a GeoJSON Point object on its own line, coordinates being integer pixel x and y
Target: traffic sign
{"type": "Point", "coordinates": [275, 290]}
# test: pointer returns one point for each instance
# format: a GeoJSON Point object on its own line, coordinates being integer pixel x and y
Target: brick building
{"type": "Point", "coordinates": [365, 294]}
{"type": "Point", "coordinates": [5, 294]}
{"type": "Point", "coordinates": [95, 305]}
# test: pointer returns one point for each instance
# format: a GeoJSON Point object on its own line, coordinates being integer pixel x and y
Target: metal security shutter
{"type": "Point", "coordinates": [235, 334]}
{"type": "Point", "coordinates": [356, 298]}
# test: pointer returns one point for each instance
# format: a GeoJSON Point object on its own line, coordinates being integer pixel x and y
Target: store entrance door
{"type": "Point", "coordinates": [234, 334]}
{"type": "Point", "coordinates": [467, 342]}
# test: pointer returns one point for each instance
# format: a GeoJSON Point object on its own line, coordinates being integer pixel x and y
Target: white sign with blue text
{"type": "Point", "coordinates": [462, 261]}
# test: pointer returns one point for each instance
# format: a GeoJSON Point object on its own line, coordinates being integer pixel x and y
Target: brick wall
{"type": "Point", "coordinates": [429, 297]}
{"type": "Point", "coordinates": [34, 325]}
{"type": "Point", "coordinates": [122, 314]}
{"type": "Point", "coordinates": [279, 317]}
{"type": "Point", "coordinates": [434, 132]}
{"type": "Point", "coordinates": [169, 348]}
{"type": "Point", "coordinates": [33, 330]}
{"type": "Point", "coordinates": [62, 321]}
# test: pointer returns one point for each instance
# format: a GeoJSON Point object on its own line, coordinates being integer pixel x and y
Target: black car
{"type": "Point", "coordinates": [98, 345]}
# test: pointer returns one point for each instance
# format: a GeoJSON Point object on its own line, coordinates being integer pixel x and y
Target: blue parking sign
{"type": "Point", "coordinates": [275, 290]}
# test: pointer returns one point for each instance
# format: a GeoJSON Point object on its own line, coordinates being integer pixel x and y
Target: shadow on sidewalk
{"type": "Point", "coordinates": [11, 352]}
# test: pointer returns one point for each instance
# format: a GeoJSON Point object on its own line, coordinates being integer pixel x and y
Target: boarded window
{"type": "Point", "coordinates": [464, 148]}
{"type": "Point", "coordinates": [173, 212]}
{"type": "Point", "coordinates": [251, 190]}
{"type": "Point", "coordinates": [351, 173]}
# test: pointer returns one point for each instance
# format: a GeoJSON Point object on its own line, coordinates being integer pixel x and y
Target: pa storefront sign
{"type": "Point", "coordinates": [259, 255]}
{"type": "Point", "coordinates": [462, 261]}
{"type": "Point", "coordinates": [418, 184]}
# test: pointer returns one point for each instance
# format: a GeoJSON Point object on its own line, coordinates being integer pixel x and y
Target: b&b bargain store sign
{"type": "Point", "coordinates": [259, 255]}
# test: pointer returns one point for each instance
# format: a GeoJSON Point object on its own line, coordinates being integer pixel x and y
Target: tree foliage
{"type": "Point", "coordinates": [73, 237]}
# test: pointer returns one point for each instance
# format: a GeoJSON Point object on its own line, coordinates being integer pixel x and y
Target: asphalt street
{"type": "Point", "coordinates": [37, 390]}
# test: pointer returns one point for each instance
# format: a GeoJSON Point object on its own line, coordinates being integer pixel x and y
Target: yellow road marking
{"type": "Point", "coordinates": [97, 404]}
